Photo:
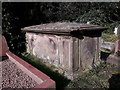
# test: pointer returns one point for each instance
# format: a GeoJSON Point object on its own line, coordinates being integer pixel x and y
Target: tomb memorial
{"type": "Point", "coordinates": [71, 47]}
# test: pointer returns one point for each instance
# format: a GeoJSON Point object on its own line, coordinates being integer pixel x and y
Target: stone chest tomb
{"type": "Point", "coordinates": [71, 47]}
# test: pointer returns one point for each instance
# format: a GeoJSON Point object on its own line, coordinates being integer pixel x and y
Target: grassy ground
{"type": "Point", "coordinates": [96, 78]}
{"type": "Point", "coordinates": [110, 37]}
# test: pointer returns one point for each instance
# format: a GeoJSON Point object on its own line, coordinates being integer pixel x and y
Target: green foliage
{"type": "Point", "coordinates": [95, 78]}
{"type": "Point", "coordinates": [111, 26]}
{"type": "Point", "coordinates": [104, 14]}
{"type": "Point", "coordinates": [10, 29]}
{"type": "Point", "coordinates": [94, 16]}
{"type": "Point", "coordinates": [18, 15]}
{"type": "Point", "coordinates": [24, 54]}
{"type": "Point", "coordinates": [110, 37]}
{"type": "Point", "coordinates": [117, 53]}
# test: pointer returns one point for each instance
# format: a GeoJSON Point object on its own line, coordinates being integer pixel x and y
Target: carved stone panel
{"type": "Point", "coordinates": [88, 52]}
{"type": "Point", "coordinates": [51, 48]}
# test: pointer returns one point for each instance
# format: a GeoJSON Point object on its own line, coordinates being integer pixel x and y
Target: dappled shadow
{"type": "Point", "coordinates": [114, 81]}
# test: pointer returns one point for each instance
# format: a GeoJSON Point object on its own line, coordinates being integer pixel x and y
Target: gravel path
{"type": "Point", "coordinates": [13, 77]}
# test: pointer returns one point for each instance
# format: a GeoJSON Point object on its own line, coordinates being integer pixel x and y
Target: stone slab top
{"type": "Point", "coordinates": [62, 27]}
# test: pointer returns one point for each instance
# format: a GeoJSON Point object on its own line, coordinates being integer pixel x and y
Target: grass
{"type": "Point", "coordinates": [61, 81]}
{"type": "Point", "coordinates": [117, 53]}
{"type": "Point", "coordinates": [95, 78]}
{"type": "Point", "coordinates": [110, 37]}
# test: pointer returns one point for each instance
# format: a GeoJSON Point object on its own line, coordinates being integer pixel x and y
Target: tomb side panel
{"type": "Point", "coordinates": [88, 52]}
{"type": "Point", "coordinates": [57, 50]}
{"type": "Point", "coordinates": [43, 46]}
{"type": "Point", "coordinates": [66, 52]}
{"type": "Point", "coordinates": [76, 54]}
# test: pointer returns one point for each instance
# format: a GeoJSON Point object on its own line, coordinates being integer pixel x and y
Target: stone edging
{"type": "Point", "coordinates": [42, 79]}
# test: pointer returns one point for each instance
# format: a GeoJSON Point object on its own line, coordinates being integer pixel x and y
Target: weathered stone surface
{"type": "Point", "coordinates": [3, 46]}
{"type": "Point", "coordinates": [107, 46]}
{"type": "Point", "coordinates": [63, 27]}
{"type": "Point", "coordinates": [71, 47]}
{"type": "Point", "coordinates": [88, 52]}
{"type": "Point", "coordinates": [117, 45]}
{"type": "Point", "coordinates": [114, 60]}
{"type": "Point", "coordinates": [69, 53]}
{"type": "Point", "coordinates": [53, 49]}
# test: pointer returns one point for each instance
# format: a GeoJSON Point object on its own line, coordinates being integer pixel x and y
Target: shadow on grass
{"type": "Point", "coordinates": [114, 82]}
{"type": "Point", "coordinates": [61, 81]}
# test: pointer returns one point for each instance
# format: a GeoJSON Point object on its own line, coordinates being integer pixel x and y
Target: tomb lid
{"type": "Point", "coordinates": [62, 27]}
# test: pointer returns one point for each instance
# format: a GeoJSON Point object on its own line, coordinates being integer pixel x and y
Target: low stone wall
{"type": "Point", "coordinates": [42, 79]}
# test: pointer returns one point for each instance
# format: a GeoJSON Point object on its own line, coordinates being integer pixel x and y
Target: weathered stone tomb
{"type": "Point", "coordinates": [71, 47]}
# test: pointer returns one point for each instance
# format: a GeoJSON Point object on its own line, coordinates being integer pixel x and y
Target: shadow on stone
{"type": "Point", "coordinates": [114, 81]}
{"type": "Point", "coordinates": [3, 58]}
